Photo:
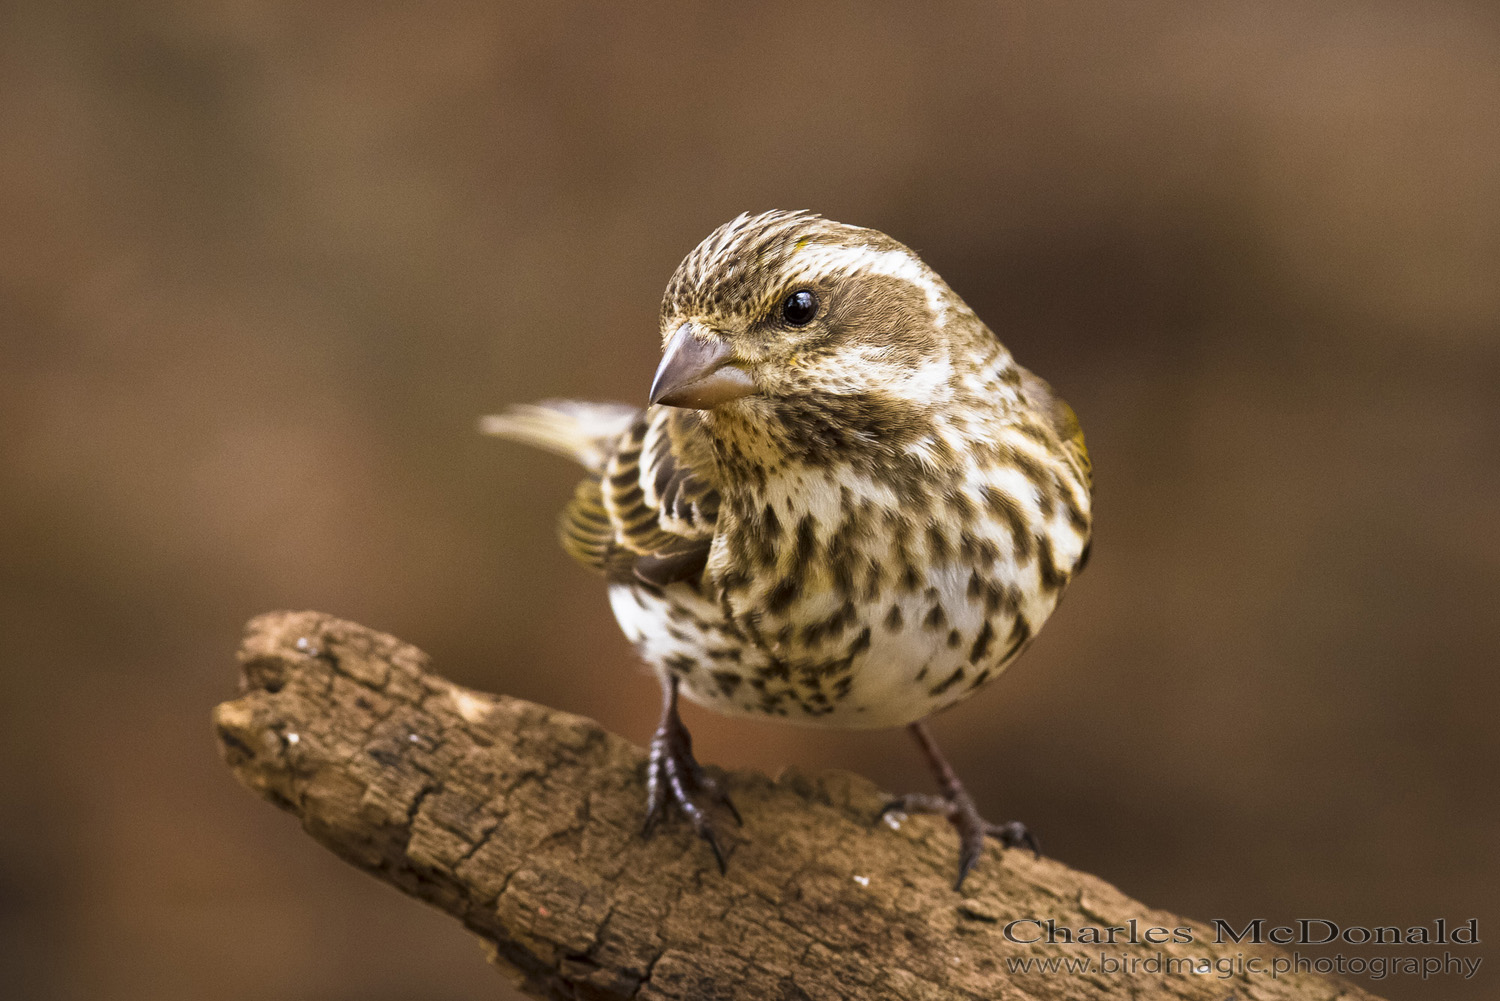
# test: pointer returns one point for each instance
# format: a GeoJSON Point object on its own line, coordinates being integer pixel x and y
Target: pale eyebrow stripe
{"type": "Point", "coordinates": [820, 259]}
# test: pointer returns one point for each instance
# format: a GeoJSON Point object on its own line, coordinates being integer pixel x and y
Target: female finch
{"type": "Point", "coordinates": [845, 505]}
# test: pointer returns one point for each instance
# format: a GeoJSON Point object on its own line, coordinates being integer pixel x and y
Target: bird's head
{"type": "Point", "coordinates": [788, 307]}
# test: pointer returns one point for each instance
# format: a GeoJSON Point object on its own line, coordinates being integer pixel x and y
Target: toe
{"type": "Point", "coordinates": [673, 775]}
{"type": "Point", "coordinates": [917, 802]}
{"type": "Point", "coordinates": [971, 847]}
{"type": "Point", "coordinates": [734, 811]}
{"type": "Point", "coordinates": [712, 786]}
{"type": "Point", "coordinates": [960, 811]}
{"type": "Point", "coordinates": [1015, 835]}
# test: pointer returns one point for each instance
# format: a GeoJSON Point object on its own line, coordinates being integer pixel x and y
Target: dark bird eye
{"type": "Point", "coordinates": [800, 307]}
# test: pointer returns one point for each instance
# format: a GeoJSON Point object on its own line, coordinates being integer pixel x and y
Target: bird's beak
{"type": "Point", "coordinates": [699, 373]}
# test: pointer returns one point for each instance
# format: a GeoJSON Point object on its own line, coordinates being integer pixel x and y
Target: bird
{"type": "Point", "coordinates": [844, 505]}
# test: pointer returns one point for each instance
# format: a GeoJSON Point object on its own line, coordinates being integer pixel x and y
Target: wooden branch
{"type": "Point", "coordinates": [524, 824]}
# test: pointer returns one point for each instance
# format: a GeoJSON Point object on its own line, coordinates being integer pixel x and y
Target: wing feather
{"type": "Point", "coordinates": [652, 510]}
{"type": "Point", "coordinates": [1063, 421]}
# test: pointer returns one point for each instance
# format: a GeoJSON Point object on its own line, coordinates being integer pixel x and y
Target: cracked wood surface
{"type": "Point", "coordinates": [523, 823]}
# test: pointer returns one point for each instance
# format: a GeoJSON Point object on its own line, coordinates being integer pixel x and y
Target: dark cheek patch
{"type": "Point", "coordinates": [881, 311]}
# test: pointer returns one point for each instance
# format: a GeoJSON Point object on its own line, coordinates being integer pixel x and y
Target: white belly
{"type": "Point", "coordinates": [883, 669]}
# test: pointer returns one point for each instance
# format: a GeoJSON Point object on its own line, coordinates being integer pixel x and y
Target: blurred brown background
{"type": "Point", "coordinates": [263, 264]}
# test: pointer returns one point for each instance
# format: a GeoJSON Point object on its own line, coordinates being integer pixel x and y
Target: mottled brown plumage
{"type": "Point", "coordinates": [848, 506]}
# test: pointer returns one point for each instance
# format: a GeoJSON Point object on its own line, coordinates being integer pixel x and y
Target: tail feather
{"type": "Point", "coordinates": [583, 432]}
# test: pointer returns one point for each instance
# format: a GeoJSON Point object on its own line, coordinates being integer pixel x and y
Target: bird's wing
{"type": "Point", "coordinates": [1063, 421]}
{"type": "Point", "coordinates": [651, 512]}
{"type": "Point", "coordinates": [583, 432]}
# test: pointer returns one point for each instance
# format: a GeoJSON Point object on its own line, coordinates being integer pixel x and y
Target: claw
{"type": "Point", "coordinates": [672, 773]}
{"type": "Point", "coordinates": [1014, 835]}
{"type": "Point", "coordinates": [721, 796]}
{"type": "Point", "coordinates": [969, 850]}
{"type": "Point", "coordinates": [958, 807]}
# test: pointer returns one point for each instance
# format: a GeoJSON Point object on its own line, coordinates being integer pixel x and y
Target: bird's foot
{"type": "Point", "coordinates": [972, 829]}
{"type": "Point", "coordinates": [673, 774]}
{"type": "Point", "coordinates": [958, 806]}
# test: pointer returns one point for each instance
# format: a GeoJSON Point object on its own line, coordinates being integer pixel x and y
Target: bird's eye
{"type": "Point", "coordinates": [799, 308]}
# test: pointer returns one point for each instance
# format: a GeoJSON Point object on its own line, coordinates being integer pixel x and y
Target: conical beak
{"type": "Point", "coordinates": [699, 373]}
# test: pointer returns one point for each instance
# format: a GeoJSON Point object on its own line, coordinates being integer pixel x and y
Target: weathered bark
{"type": "Point", "coordinates": [524, 823]}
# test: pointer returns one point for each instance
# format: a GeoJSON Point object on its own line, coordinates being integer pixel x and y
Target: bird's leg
{"type": "Point", "coordinates": [958, 806]}
{"type": "Point", "coordinates": [672, 773]}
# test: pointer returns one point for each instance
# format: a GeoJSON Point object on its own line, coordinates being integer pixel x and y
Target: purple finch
{"type": "Point", "coordinates": [846, 505]}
